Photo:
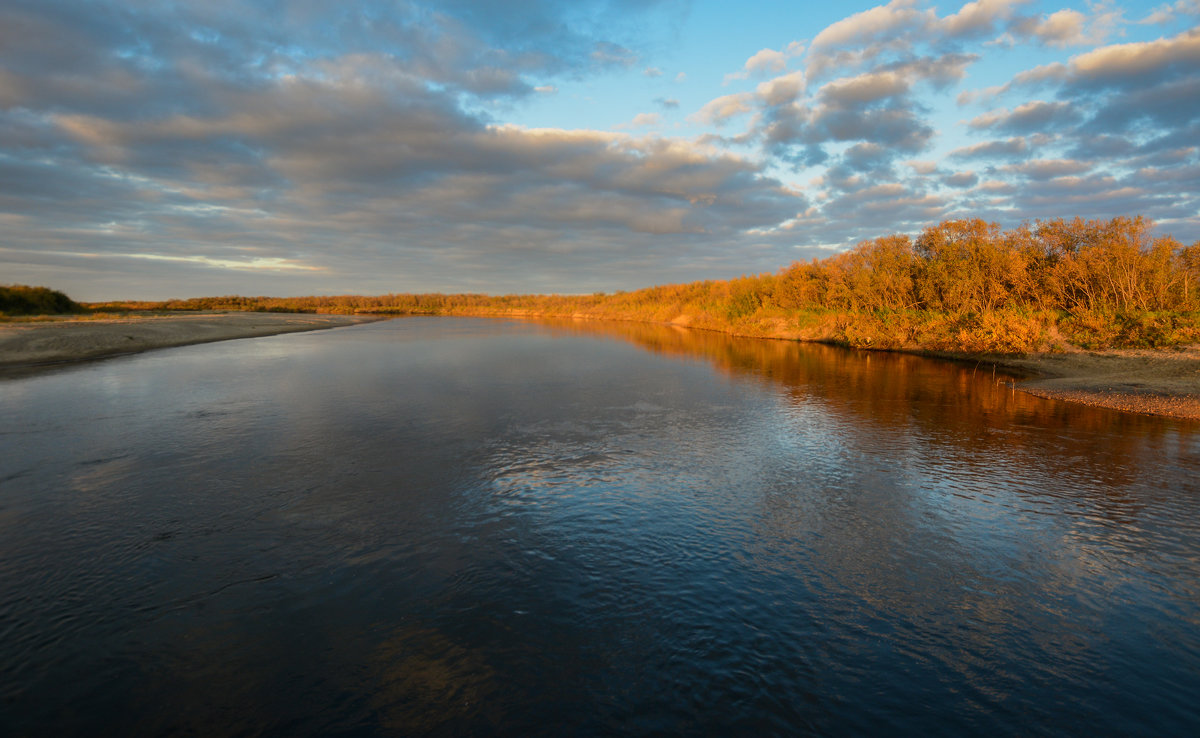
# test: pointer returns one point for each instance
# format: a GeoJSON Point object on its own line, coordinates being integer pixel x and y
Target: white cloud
{"type": "Point", "coordinates": [642, 120]}
{"type": "Point", "coordinates": [879, 21]}
{"type": "Point", "coordinates": [782, 89]}
{"type": "Point", "coordinates": [767, 61]}
{"type": "Point", "coordinates": [720, 110]}
{"type": "Point", "coordinates": [260, 263]}
{"type": "Point", "coordinates": [1062, 28]}
{"type": "Point", "coordinates": [1132, 60]}
{"type": "Point", "coordinates": [978, 18]}
{"type": "Point", "coordinates": [1167, 13]}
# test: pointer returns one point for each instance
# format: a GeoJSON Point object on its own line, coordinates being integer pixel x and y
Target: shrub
{"type": "Point", "coordinates": [19, 299]}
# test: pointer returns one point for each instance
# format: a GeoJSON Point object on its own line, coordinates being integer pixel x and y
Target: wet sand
{"type": "Point", "coordinates": [29, 347]}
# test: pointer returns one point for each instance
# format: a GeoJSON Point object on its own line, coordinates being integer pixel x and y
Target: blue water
{"type": "Point", "coordinates": [439, 526]}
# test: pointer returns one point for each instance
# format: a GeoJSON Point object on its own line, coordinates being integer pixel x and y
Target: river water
{"type": "Point", "coordinates": [439, 526]}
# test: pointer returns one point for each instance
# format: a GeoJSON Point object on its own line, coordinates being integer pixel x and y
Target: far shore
{"type": "Point", "coordinates": [1147, 381]}
{"type": "Point", "coordinates": [29, 347]}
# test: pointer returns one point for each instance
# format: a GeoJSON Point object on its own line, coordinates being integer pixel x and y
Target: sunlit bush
{"type": "Point", "coordinates": [962, 285]}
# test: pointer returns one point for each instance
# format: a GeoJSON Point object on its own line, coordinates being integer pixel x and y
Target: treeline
{"type": "Point", "coordinates": [962, 285]}
{"type": "Point", "coordinates": [20, 299]}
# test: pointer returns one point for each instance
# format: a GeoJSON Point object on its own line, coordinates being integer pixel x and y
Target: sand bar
{"type": "Point", "coordinates": [29, 347]}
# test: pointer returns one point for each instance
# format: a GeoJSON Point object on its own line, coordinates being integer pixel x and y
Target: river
{"type": "Point", "coordinates": [451, 526]}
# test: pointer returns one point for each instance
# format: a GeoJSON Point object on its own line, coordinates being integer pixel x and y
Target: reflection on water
{"type": "Point", "coordinates": [449, 526]}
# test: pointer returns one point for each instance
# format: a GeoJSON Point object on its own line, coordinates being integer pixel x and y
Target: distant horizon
{"type": "Point", "coordinates": [153, 152]}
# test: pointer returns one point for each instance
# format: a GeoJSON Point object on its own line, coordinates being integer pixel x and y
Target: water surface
{"type": "Point", "coordinates": [456, 526]}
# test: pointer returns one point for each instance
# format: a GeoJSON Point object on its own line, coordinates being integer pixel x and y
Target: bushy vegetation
{"type": "Point", "coordinates": [19, 299]}
{"type": "Point", "coordinates": [962, 286]}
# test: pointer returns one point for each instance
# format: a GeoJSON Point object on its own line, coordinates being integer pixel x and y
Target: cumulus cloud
{"type": "Point", "coordinates": [1006, 149]}
{"type": "Point", "coordinates": [767, 61]}
{"type": "Point", "coordinates": [643, 120]}
{"type": "Point", "coordinates": [228, 151]}
{"type": "Point", "coordinates": [1031, 117]}
{"type": "Point", "coordinates": [1062, 28]}
{"type": "Point", "coordinates": [961, 180]}
{"type": "Point", "coordinates": [979, 18]}
{"type": "Point", "coordinates": [889, 20]}
{"type": "Point", "coordinates": [720, 110]}
{"type": "Point", "coordinates": [875, 107]}
{"type": "Point", "coordinates": [1137, 64]}
{"type": "Point", "coordinates": [362, 146]}
{"type": "Point", "coordinates": [1047, 168]}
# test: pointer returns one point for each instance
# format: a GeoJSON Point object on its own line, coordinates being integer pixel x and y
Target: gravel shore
{"type": "Point", "coordinates": [1148, 381]}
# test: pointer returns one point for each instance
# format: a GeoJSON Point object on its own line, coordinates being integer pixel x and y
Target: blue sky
{"type": "Point", "coordinates": [286, 147]}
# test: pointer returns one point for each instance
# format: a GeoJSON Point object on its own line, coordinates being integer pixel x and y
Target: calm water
{"type": "Point", "coordinates": [455, 526]}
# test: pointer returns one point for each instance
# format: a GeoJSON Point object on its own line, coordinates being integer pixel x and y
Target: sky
{"type": "Point", "coordinates": [158, 149]}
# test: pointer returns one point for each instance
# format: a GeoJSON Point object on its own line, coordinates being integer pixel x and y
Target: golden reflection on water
{"type": "Point", "coordinates": [402, 532]}
{"type": "Point", "coordinates": [1001, 445]}
{"type": "Point", "coordinates": [969, 414]}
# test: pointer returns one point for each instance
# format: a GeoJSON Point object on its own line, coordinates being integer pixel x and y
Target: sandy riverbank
{"type": "Point", "coordinates": [26, 347]}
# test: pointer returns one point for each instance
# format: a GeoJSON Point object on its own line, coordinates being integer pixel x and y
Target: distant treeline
{"type": "Point", "coordinates": [961, 286]}
{"type": "Point", "coordinates": [19, 299]}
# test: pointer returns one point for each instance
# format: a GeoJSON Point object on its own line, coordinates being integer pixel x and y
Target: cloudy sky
{"type": "Point", "coordinates": [153, 149]}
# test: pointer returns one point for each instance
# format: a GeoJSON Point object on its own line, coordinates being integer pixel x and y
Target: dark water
{"type": "Point", "coordinates": [453, 526]}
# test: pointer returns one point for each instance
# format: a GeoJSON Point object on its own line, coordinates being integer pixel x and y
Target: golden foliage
{"type": "Point", "coordinates": [962, 285]}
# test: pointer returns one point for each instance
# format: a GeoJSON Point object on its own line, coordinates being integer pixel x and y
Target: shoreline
{"type": "Point", "coordinates": [1162, 382]}
{"type": "Point", "coordinates": [29, 347]}
{"type": "Point", "coordinates": [1145, 381]}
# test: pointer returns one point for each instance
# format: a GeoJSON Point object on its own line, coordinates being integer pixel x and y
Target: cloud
{"type": "Point", "coordinates": [1008, 148]}
{"type": "Point", "coordinates": [1048, 168]}
{"type": "Point", "coordinates": [923, 168]}
{"type": "Point", "coordinates": [1111, 102]}
{"type": "Point", "coordinates": [610, 54]}
{"type": "Point", "coordinates": [1062, 28]}
{"type": "Point", "coordinates": [876, 107]}
{"type": "Point", "coordinates": [268, 263]}
{"type": "Point", "coordinates": [720, 110]}
{"type": "Point", "coordinates": [893, 19]}
{"type": "Point", "coordinates": [1031, 117]}
{"type": "Point", "coordinates": [1136, 64]}
{"type": "Point", "coordinates": [363, 146]}
{"type": "Point", "coordinates": [643, 120]}
{"type": "Point", "coordinates": [211, 139]}
{"type": "Point", "coordinates": [978, 18]}
{"type": "Point", "coordinates": [767, 61]}
{"type": "Point", "coordinates": [781, 90]}
{"type": "Point", "coordinates": [961, 180]}
{"type": "Point", "coordinates": [1167, 13]}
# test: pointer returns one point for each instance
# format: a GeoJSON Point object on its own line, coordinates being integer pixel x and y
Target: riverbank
{"type": "Point", "coordinates": [1162, 381]}
{"type": "Point", "coordinates": [30, 346]}
{"type": "Point", "coordinates": [1149, 381]}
